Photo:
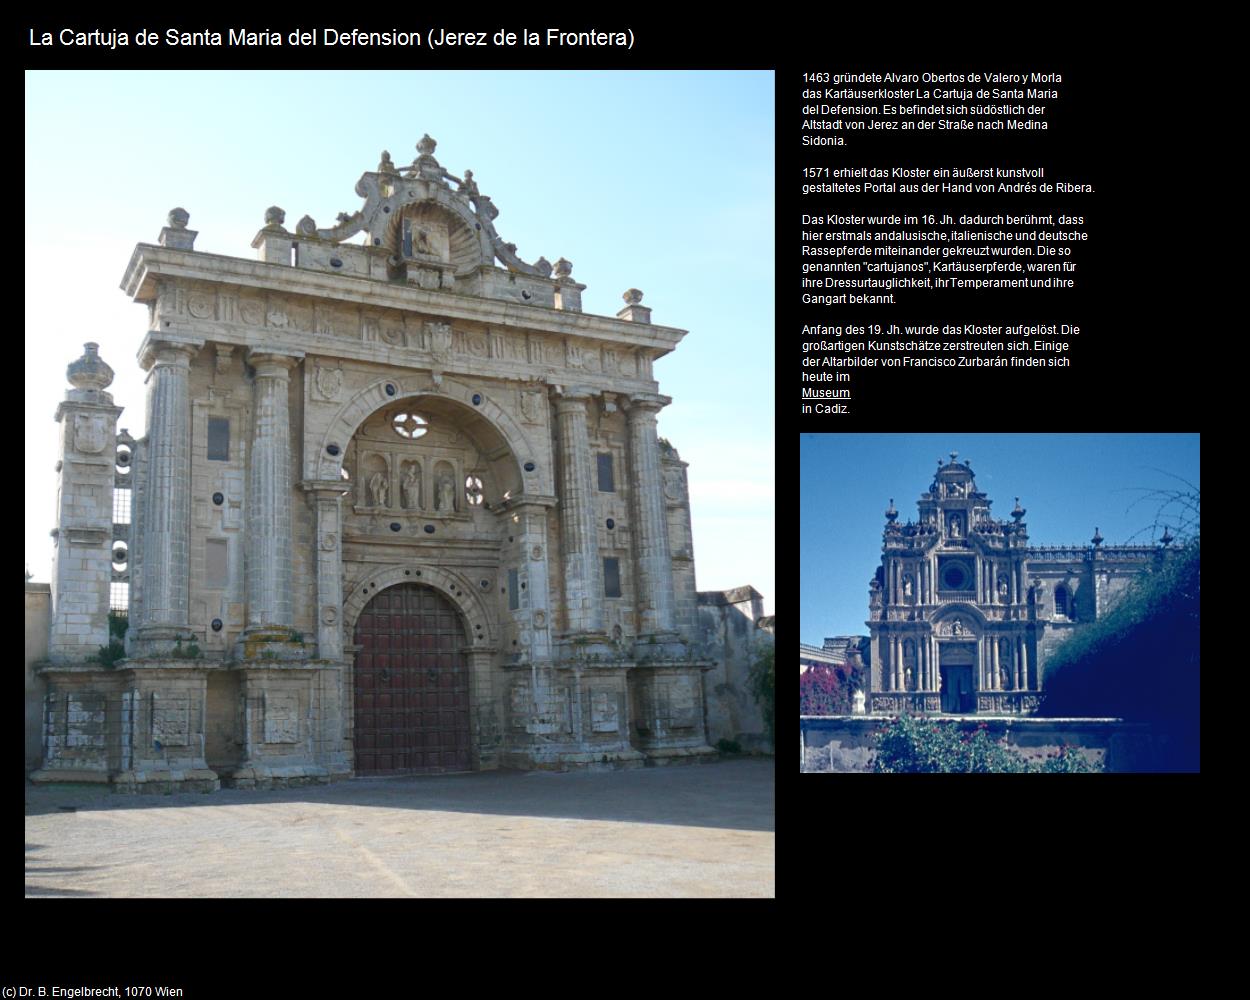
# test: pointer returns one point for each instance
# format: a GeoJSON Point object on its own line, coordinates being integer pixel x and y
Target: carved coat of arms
{"type": "Point", "coordinates": [531, 407]}
{"type": "Point", "coordinates": [89, 433]}
{"type": "Point", "coordinates": [329, 382]}
{"type": "Point", "coordinates": [439, 339]}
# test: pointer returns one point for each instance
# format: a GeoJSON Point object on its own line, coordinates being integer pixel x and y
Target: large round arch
{"type": "Point", "coordinates": [327, 463]}
{"type": "Point", "coordinates": [452, 586]}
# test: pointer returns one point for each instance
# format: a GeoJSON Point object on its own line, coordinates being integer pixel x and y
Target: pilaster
{"type": "Point", "coordinates": [326, 499]}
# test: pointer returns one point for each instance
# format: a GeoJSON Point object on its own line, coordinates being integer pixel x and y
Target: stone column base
{"type": "Point", "coordinates": [50, 775]}
{"type": "Point", "coordinates": [575, 760]}
{"type": "Point", "coordinates": [682, 755]}
{"type": "Point", "coordinates": [661, 646]}
{"type": "Point", "coordinates": [263, 776]}
{"type": "Point", "coordinates": [165, 781]}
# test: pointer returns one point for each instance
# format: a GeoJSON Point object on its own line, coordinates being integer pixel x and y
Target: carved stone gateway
{"type": "Point", "coordinates": [368, 527]}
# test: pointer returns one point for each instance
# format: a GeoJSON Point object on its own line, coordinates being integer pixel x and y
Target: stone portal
{"type": "Point", "coordinates": [958, 690]}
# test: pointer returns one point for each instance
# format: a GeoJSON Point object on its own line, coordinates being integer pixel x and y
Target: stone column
{"type": "Point", "coordinates": [82, 565]}
{"type": "Point", "coordinates": [994, 671]}
{"type": "Point", "coordinates": [579, 539]}
{"type": "Point", "coordinates": [167, 507]}
{"type": "Point", "coordinates": [269, 494]}
{"type": "Point", "coordinates": [1019, 663]}
{"type": "Point", "coordinates": [326, 498]}
{"type": "Point", "coordinates": [653, 565]}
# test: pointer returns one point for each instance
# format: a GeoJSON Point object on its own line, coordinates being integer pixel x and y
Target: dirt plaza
{"type": "Point", "coordinates": [695, 831]}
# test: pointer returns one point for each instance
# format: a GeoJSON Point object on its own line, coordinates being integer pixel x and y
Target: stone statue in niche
{"type": "Point", "coordinates": [957, 627]}
{"type": "Point", "coordinates": [380, 489]}
{"type": "Point", "coordinates": [954, 527]}
{"type": "Point", "coordinates": [1002, 586]}
{"type": "Point", "coordinates": [446, 495]}
{"type": "Point", "coordinates": [907, 679]}
{"type": "Point", "coordinates": [423, 242]}
{"type": "Point", "coordinates": [412, 489]}
{"type": "Point", "coordinates": [907, 588]}
{"type": "Point", "coordinates": [1002, 678]}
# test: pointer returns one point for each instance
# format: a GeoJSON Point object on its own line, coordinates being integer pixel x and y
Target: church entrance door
{"type": "Point", "coordinates": [957, 693]}
{"type": "Point", "coordinates": [411, 684]}
{"type": "Point", "coordinates": [956, 661]}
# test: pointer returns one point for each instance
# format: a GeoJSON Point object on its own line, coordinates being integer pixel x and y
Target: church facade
{"type": "Point", "coordinates": [400, 506]}
{"type": "Point", "coordinates": [963, 611]}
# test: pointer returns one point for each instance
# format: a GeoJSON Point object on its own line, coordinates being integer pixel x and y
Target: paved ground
{"type": "Point", "coordinates": [704, 830]}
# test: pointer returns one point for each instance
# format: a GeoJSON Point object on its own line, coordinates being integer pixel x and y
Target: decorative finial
{"type": "Point", "coordinates": [1019, 512]}
{"type": "Point", "coordinates": [427, 145]}
{"type": "Point", "coordinates": [954, 455]}
{"type": "Point", "coordinates": [178, 218]}
{"type": "Point", "coordinates": [306, 226]}
{"type": "Point", "coordinates": [891, 514]}
{"type": "Point", "coordinates": [543, 267]}
{"type": "Point", "coordinates": [1097, 539]}
{"type": "Point", "coordinates": [1167, 539]}
{"type": "Point", "coordinates": [632, 296]}
{"type": "Point", "coordinates": [563, 268]}
{"type": "Point", "coordinates": [89, 371]}
{"type": "Point", "coordinates": [939, 462]}
{"type": "Point", "coordinates": [274, 217]}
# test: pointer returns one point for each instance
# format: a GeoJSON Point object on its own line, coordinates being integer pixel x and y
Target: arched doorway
{"type": "Point", "coordinates": [411, 684]}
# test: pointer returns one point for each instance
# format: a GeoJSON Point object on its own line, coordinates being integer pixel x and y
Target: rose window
{"type": "Point", "coordinates": [409, 425]}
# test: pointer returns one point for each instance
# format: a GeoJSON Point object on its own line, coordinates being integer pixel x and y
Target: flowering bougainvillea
{"type": "Point", "coordinates": [825, 690]}
{"type": "Point", "coordinates": [916, 745]}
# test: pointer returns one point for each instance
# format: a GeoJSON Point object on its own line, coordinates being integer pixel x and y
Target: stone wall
{"type": "Point", "coordinates": [845, 744]}
{"type": "Point", "coordinates": [36, 620]}
{"type": "Point", "coordinates": [728, 627]}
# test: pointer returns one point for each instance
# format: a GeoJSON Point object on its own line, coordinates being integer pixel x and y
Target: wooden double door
{"type": "Point", "coordinates": [411, 684]}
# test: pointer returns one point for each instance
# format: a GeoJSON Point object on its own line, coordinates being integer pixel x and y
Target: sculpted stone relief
{"type": "Point", "coordinates": [329, 382]}
{"type": "Point", "coordinates": [90, 433]}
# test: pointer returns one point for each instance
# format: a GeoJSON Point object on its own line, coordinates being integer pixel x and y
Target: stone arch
{"type": "Point", "coordinates": [465, 597]}
{"type": "Point", "coordinates": [960, 611]}
{"type": "Point", "coordinates": [373, 397]}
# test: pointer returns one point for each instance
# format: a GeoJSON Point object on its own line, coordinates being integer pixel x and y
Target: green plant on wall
{"type": "Point", "coordinates": [109, 655]}
{"type": "Point", "coordinates": [763, 688]}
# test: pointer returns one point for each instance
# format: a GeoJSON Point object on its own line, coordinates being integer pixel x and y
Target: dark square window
{"type": "Point", "coordinates": [219, 439]}
{"type": "Point", "coordinates": [611, 578]}
{"type": "Point", "coordinates": [606, 485]}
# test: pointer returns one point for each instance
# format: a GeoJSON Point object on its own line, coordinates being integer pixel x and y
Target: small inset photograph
{"type": "Point", "coordinates": [999, 602]}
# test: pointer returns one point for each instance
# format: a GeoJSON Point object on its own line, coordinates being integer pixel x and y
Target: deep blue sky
{"type": "Point", "coordinates": [1068, 483]}
{"type": "Point", "coordinates": [661, 181]}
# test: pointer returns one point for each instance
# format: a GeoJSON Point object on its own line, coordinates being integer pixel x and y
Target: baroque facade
{"type": "Point", "coordinates": [963, 611]}
{"type": "Point", "coordinates": [397, 508]}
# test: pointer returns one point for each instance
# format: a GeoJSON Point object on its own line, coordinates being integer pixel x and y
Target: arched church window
{"type": "Point", "coordinates": [409, 425]}
{"type": "Point", "coordinates": [1061, 602]}
{"type": "Point", "coordinates": [473, 490]}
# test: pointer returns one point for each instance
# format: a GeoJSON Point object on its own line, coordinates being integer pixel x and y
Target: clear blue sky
{"type": "Point", "coordinates": [1068, 483]}
{"type": "Point", "coordinates": [656, 180]}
